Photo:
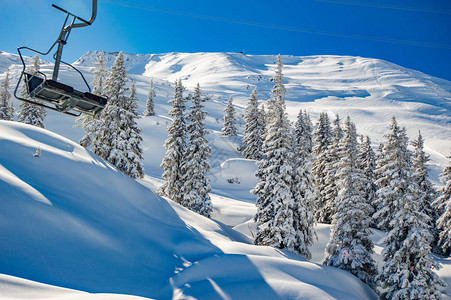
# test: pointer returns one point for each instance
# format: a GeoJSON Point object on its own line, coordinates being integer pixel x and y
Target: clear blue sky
{"type": "Point", "coordinates": [258, 27]}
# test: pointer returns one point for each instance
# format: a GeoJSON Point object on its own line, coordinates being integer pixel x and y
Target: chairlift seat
{"type": "Point", "coordinates": [65, 98]}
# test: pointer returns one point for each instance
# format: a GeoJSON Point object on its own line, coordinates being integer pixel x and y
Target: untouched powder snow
{"type": "Point", "coordinates": [369, 90]}
{"type": "Point", "coordinates": [70, 219]}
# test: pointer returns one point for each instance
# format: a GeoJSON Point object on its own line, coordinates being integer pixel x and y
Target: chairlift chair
{"type": "Point", "coordinates": [53, 94]}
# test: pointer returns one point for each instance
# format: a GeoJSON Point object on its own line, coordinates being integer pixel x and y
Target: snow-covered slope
{"type": "Point", "coordinates": [369, 90]}
{"type": "Point", "coordinates": [70, 219]}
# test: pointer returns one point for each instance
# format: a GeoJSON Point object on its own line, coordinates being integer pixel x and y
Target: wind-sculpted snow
{"type": "Point", "coordinates": [70, 219]}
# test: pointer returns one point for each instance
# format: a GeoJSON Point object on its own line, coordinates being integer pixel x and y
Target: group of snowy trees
{"type": "Point", "coordinates": [28, 113]}
{"type": "Point", "coordinates": [114, 133]}
{"type": "Point", "coordinates": [324, 174]}
{"type": "Point", "coordinates": [185, 163]}
{"type": "Point", "coordinates": [284, 190]}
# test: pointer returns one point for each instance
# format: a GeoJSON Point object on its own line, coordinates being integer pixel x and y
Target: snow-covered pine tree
{"type": "Point", "coordinates": [5, 97]}
{"type": "Point", "coordinates": [407, 272]}
{"type": "Point", "coordinates": [29, 113]}
{"type": "Point", "coordinates": [230, 123]}
{"type": "Point", "coordinates": [276, 206]}
{"type": "Point", "coordinates": [350, 247]}
{"type": "Point", "coordinates": [150, 106]}
{"type": "Point", "coordinates": [321, 141]}
{"type": "Point", "coordinates": [196, 184]}
{"type": "Point", "coordinates": [175, 146]}
{"type": "Point", "coordinates": [303, 131]}
{"type": "Point", "coordinates": [443, 206]}
{"type": "Point", "coordinates": [254, 132]}
{"type": "Point", "coordinates": [393, 173]}
{"type": "Point", "coordinates": [303, 188]}
{"type": "Point", "coordinates": [110, 127]}
{"type": "Point", "coordinates": [91, 124]}
{"type": "Point", "coordinates": [427, 193]}
{"type": "Point", "coordinates": [262, 121]}
{"type": "Point", "coordinates": [326, 210]}
{"type": "Point", "coordinates": [366, 161]}
{"type": "Point", "coordinates": [126, 152]}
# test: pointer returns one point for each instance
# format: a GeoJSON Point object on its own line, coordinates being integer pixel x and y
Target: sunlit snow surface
{"type": "Point", "coordinates": [70, 219]}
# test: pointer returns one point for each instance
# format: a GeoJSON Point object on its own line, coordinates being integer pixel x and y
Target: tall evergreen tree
{"type": "Point", "coordinates": [29, 113]}
{"type": "Point", "coordinates": [230, 123]}
{"type": "Point", "coordinates": [407, 272]}
{"type": "Point", "coordinates": [303, 131]}
{"type": "Point", "coordinates": [115, 88]}
{"type": "Point", "coordinates": [91, 124]}
{"type": "Point", "coordinates": [303, 187]}
{"type": "Point", "coordinates": [254, 132]}
{"type": "Point", "coordinates": [5, 96]}
{"type": "Point", "coordinates": [119, 139]}
{"type": "Point", "coordinates": [366, 162]}
{"type": "Point", "coordinates": [393, 175]}
{"type": "Point", "coordinates": [427, 194]}
{"type": "Point", "coordinates": [150, 106]}
{"type": "Point", "coordinates": [126, 152]}
{"type": "Point", "coordinates": [175, 146]}
{"type": "Point", "coordinates": [330, 191]}
{"type": "Point", "coordinates": [443, 206]}
{"type": "Point", "coordinates": [277, 210]}
{"type": "Point", "coordinates": [196, 184]}
{"type": "Point", "coordinates": [350, 247]}
{"type": "Point", "coordinates": [322, 140]}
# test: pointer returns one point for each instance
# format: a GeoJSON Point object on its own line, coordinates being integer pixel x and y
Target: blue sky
{"type": "Point", "coordinates": [296, 27]}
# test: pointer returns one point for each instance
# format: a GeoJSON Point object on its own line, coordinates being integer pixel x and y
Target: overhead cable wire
{"type": "Point", "coordinates": [279, 27]}
{"type": "Point", "coordinates": [378, 5]}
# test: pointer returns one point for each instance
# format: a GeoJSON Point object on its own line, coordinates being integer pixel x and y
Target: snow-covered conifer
{"type": "Point", "coordinates": [29, 113]}
{"type": "Point", "coordinates": [443, 206]}
{"type": "Point", "coordinates": [277, 215]}
{"type": "Point", "coordinates": [150, 106]}
{"type": "Point", "coordinates": [303, 187]}
{"type": "Point", "coordinates": [303, 131]}
{"type": "Point", "coordinates": [5, 97]}
{"type": "Point", "coordinates": [326, 210]}
{"type": "Point", "coordinates": [196, 184]}
{"type": "Point", "coordinates": [393, 172]}
{"type": "Point", "coordinates": [115, 88]}
{"type": "Point", "coordinates": [119, 138]}
{"type": "Point", "coordinates": [91, 124]}
{"type": "Point", "coordinates": [366, 161]}
{"type": "Point", "coordinates": [407, 272]}
{"type": "Point", "coordinates": [254, 132]}
{"type": "Point", "coordinates": [350, 247]}
{"type": "Point", "coordinates": [427, 194]}
{"type": "Point", "coordinates": [126, 152]}
{"type": "Point", "coordinates": [321, 140]}
{"type": "Point", "coordinates": [230, 123]}
{"type": "Point", "coordinates": [175, 146]}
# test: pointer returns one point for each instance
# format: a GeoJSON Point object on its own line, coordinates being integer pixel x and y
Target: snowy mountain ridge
{"type": "Point", "coordinates": [369, 90]}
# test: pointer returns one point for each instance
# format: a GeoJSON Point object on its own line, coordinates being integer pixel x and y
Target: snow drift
{"type": "Point", "coordinates": [70, 219]}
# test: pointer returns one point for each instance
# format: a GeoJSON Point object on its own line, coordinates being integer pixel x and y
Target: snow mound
{"type": "Point", "coordinates": [70, 219]}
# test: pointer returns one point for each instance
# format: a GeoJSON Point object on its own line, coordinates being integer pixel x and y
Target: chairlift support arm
{"type": "Point", "coordinates": [65, 31]}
